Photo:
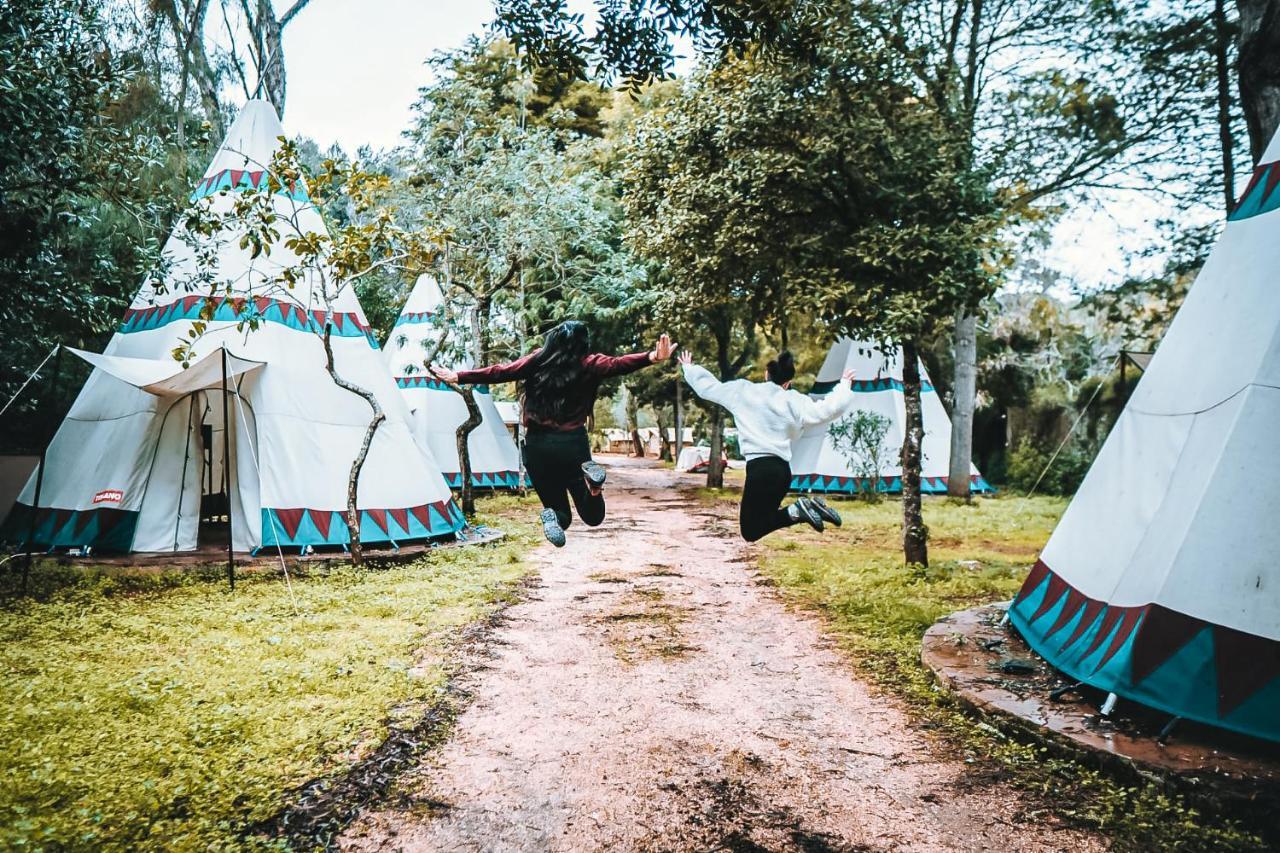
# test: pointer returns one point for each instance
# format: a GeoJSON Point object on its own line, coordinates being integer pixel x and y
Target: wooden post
{"type": "Point", "coordinates": [226, 473]}
{"type": "Point", "coordinates": [35, 503]}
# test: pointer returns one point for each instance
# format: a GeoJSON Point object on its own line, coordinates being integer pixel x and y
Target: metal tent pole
{"type": "Point", "coordinates": [35, 503]}
{"type": "Point", "coordinates": [226, 473]}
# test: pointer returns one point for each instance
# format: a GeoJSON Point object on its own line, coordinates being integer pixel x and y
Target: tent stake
{"type": "Point", "coordinates": [1167, 731]}
{"type": "Point", "coordinates": [35, 503]}
{"type": "Point", "coordinates": [226, 473]}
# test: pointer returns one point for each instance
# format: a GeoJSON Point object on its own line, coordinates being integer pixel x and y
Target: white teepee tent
{"type": "Point", "coordinates": [1161, 582]}
{"type": "Point", "coordinates": [816, 464]}
{"type": "Point", "coordinates": [141, 449]}
{"type": "Point", "coordinates": [436, 410]}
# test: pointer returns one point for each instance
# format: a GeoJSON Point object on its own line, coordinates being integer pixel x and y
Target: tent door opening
{"type": "Point", "coordinates": [217, 480]}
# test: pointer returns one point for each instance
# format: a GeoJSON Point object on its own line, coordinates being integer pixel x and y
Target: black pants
{"type": "Point", "coordinates": [554, 462]}
{"type": "Point", "coordinates": [768, 480]}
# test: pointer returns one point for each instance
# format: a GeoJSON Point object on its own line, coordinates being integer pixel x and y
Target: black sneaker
{"type": "Point", "coordinates": [552, 529]}
{"type": "Point", "coordinates": [594, 474]}
{"type": "Point", "coordinates": [828, 514]}
{"type": "Point", "coordinates": [805, 511]}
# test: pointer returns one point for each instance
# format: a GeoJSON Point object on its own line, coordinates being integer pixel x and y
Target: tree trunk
{"type": "Point", "coordinates": [190, 43]}
{"type": "Point", "coordinates": [664, 445]}
{"type": "Point", "coordinates": [915, 536]}
{"type": "Point", "coordinates": [353, 479]}
{"type": "Point", "coordinates": [480, 343]}
{"type": "Point", "coordinates": [1259, 68]}
{"type": "Point", "coordinates": [633, 422]}
{"type": "Point", "coordinates": [1226, 139]}
{"type": "Point", "coordinates": [474, 419]}
{"type": "Point", "coordinates": [715, 471]}
{"type": "Point", "coordinates": [271, 58]}
{"type": "Point", "coordinates": [679, 415]}
{"type": "Point", "coordinates": [965, 388]}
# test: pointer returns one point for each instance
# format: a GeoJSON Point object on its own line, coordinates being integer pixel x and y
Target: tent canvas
{"type": "Point", "coordinates": [140, 452]}
{"type": "Point", "coordinates": [436, 411]}
{"type": "Point", "coordinates": [1161, 582]}
{"type": "Point", "coordinates": [816, 464]}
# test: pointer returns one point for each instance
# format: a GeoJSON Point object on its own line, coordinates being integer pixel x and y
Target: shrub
{"type": "Point", "coordinates": [1028, 460]}
{"type": "Point", "coordinates": [859, 437]}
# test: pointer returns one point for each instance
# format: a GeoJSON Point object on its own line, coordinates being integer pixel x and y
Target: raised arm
{"type": "Point", "coordinates": [810, 412]}
{"type": "Point", "coordinates": [703, 383]}
{"type": "Point", "coordinates": [620, 365]}
{"type": "Point", "coordinates": [492, 375]}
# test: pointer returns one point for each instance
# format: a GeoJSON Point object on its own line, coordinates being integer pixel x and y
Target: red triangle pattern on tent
{"type": "Point", "coordinates": [401, 517]}
{"type": "Point", "coordinates": [1057, 588]}
{"type": "Point", "coordinates": [290, 520]}
{"type": "Point", "coordinates": [1245, 664]}
{"type": "Point", "coordinates": [1128, 621]}
{"type": "Point", "coordinates": [1091, 610]}
{"type": "Point", "coordinates": [379, 518]}
{"type": "Point", "coordinates": [423, 514]}
{"type": "Point", "coordinates": [1163, 633]}
{"type": "Point", "coordinates": [322, 519]}
{"type": "Point", "coordinates": [1110, 616]}
{"type": "Point", "coordinates": [1075, 602]}
{"type": "Point", "coordinates": [83, 517]}
{"type": "Point", "coordinates": [60, 519]}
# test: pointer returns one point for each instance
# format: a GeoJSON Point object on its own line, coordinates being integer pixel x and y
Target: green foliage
{"type": "Point", "coordinates": [530, 222]}
{"type": "Point", "coordinates": [153, 711]}
{"type": "Point", "coordinates": [88, 180]}
{"type": "Point", "coordinates": [1061, 476]}
{"type": "Point", "coordinates": [859, 437]}
{"type": "Point", "coordinates": [879, 612]}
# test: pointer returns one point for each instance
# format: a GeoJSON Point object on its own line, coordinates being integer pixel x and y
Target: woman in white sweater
{"type": "Point", "coordinates": [769, 416]}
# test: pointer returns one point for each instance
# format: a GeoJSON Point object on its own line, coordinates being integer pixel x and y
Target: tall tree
{"type": "Point", "coordinates": [1259, 68]}
{"type": "Point", "coordinates": [1113, 90]}
{"type": "Point", "coordinates": [827, 186]}
{"type": "Point", "coordinates": [88, 179]}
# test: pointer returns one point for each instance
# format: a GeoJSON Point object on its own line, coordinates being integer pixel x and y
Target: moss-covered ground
{"type": "Point", "coordinates": [878, 609]}
{"type": "Point", "coordinates": [161, 710]}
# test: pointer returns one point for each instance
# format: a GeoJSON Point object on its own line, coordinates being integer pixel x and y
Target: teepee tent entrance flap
{"type": "Point", "coordinates": [165, 377]}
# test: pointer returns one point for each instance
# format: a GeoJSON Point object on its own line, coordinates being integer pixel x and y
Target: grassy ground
{"type": "Point", "coordinates": [879, 610]}
{"type": "Point", "coordinates": [165, 711]}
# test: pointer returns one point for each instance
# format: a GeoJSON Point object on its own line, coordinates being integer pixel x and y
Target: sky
{"type": "Point", "coordinates": [354, 68]}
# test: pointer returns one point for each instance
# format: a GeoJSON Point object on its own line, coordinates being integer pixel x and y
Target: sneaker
{"type": "Point", "coordinates": [803, 510]}
{"type": "Point", "coordinates": [828, 514]}
{"type": "Point", "coordinates": [551, 528]}
{"type": "Point", "coordinates": [595, 475]}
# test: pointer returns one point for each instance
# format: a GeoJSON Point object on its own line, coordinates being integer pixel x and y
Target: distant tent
{"type": "Point", "coordinates": [436, 410]}
{"type": "Point", "coordinates": [137, 463]}
{"type": "Point", "coordinates": [1161, 582]}
{"type": "Point", "coordinates": [816, 464]}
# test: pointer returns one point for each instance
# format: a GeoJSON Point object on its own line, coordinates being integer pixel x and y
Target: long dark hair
{"type": "Point", "coordinates": [558, 368]}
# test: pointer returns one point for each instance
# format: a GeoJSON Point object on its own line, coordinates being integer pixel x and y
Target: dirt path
{"type": "Point", "coordinates": [651, 695]}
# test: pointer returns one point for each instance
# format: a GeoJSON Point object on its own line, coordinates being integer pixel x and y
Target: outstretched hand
{"type": "Point", "coordinates": [663, 350]}
{"type": "Point", "coordinates": [443, 374]}
{"type": "Point", "coordinates": [848, 376]}
{"type": "Point", "coordinates": [686, 358]}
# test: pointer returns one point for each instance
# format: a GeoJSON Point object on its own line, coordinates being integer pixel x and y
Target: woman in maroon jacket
{"type": "Point", "coordinates": [560, 384]}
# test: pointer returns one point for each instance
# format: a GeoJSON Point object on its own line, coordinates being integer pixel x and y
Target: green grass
{"type": "Point", "coordinates": [164, 711]}
{"type": "Point", "coordinates": [878, 609]}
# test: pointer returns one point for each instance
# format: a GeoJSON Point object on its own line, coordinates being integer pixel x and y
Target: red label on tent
{"type": "Point", "coordinates": [108, 496]}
